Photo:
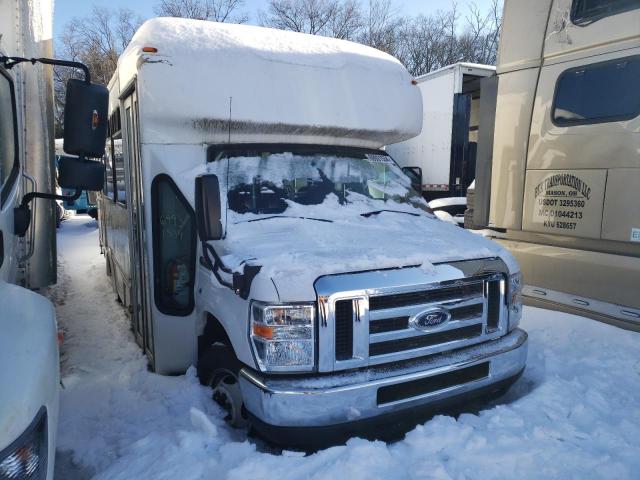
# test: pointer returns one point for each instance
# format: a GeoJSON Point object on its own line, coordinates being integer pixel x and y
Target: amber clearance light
{"type": "Point", "coordinates": [149, 49]}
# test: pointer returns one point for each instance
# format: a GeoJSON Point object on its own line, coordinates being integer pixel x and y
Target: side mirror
{"type": "Point", "coordinates": [85, 118]}
{"type": "Point", "coordinates": [80, 174]}
{"type": "Point", "coordinates": [208, 209]}
{"type": "Point", "coordinates": [415, 174]}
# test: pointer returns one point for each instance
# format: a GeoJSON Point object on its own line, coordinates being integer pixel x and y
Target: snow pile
{"type": "Point", "coordinates": [211, 81]}
{"type": "Point", "coordinates": [574, 414]}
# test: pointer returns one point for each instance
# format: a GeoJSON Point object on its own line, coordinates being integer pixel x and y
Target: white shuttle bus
{"type": "Point", "coordinates": [253, 226]}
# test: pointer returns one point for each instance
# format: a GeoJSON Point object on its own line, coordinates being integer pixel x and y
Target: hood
{"type": "Point", "coordinates": [28, 360]}
{"type": "Point", "coordinates": [294, 252]}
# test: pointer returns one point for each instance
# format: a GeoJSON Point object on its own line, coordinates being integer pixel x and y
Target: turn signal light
{"type": "Point", "coordinates": [263, 331]}
{"type": "Point", "coordinates": [149, 49]}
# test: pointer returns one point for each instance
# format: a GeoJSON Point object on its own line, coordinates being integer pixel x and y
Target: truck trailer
{"type": "Point", "coordinates": [262, 235]}
{"type": "Point", "coordinates": [29, 366]}
{"type": "Point", "coordinates": [443, 155]}
{"type": "Point", "coordinates": [558, 165]}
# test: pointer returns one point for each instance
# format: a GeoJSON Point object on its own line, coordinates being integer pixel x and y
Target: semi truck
{"type": "Point", "coordinates": [254, 227]}
{"type": "Point", "coordinates": [558, 164]}
{"type": "Point", "coordinates": [29, 367]}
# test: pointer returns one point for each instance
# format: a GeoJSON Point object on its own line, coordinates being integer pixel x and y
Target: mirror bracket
{"type": "Point", "coordinates": [49, 196]}
{"type": "Point", "coordinates": [10, 62]}
{"type": "Point", "coordinates": [21, 220]}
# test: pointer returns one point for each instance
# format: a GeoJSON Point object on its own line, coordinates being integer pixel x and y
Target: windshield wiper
{"type": "Point", "coordinates": [287, 216]}
{"type": "Point", "coordinates": [376, 212]}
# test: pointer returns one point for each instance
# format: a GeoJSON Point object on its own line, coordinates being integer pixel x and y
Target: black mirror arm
{"type": "Point", "coordinates": [10, 62]}
{"type": "Point", "coordinates": [49, 196]}
{"type": "Point", "coordinates": [215, 265]}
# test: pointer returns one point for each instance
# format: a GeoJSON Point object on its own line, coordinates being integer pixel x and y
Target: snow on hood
{"type": "Point", "coordinates": [294, 252]}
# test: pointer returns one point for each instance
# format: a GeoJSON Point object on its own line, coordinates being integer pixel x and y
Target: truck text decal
{"type": "Point", "coordinates": [565, 202]}
{"type": "Point", "coordinates": [563, 180]}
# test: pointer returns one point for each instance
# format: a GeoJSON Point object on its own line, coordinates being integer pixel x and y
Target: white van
{"type": "Point", "coordinates": [254, 227]}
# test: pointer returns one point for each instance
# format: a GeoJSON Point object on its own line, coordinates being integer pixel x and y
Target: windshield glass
{"type": "Point", "coordinates": [275, 180]}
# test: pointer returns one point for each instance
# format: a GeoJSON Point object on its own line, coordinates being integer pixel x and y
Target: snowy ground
{"type": "Point", "coordinates": [574, 414]}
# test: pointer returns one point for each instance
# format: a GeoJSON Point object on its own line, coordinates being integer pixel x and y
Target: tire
{"type": "Point", "coordinates": [218, 368]}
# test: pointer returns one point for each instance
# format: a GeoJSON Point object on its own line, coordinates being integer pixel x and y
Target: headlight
{"type": "Point", "coordinates": [283, 336]}
{"type": "Point", "coordinates": [26, 458]}
{"type": "Point", "coordinates": [515, 300]}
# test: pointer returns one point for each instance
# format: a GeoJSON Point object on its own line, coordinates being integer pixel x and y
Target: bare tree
{"type": "Point", "coordinates": [215, 10]}
{"type": "Point", "coordinates": [382, 25]}
{"type": "Point", "coordinates": [346, 22]}
{"type": "Point", "coordinates": [336, 18]}
{"type": "Point", "coordinates": [97, 41]}
{"type": "Point", "coordinates": [423, 43]}
{"type": "Point", "coordinates": [427, 43]}
{"type": "Point", "coordinates": [479, 42]}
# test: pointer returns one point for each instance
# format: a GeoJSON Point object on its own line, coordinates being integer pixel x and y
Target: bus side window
{"type": "Point", "coordinates": [108, 167]}
{"type": "Point", "coordinates": [174, 248]}
{"type": "Point", "coordinates": [118, 170]}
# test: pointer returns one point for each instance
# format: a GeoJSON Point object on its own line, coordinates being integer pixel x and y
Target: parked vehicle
{"type": "Point", "coordinates": [86, 202]}
{"type": "Point", "coordinates": [29, 369]}
{"type": "Point", "coordinates": [557, 178]}
{"type": "Point", "coordinates": [442, 157]}
{"type": "Point", "coordinates": [264, 236]}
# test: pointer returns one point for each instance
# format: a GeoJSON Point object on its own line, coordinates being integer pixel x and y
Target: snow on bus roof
{"type": "Point", "coordinates": [275, 84]}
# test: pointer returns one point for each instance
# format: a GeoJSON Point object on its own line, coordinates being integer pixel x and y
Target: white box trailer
{"type": "Point", "coordinates": [255, 227]}
{"type": "Point", "coordinates": [29, 371]}
{"type": "Point", "coordinates": [29, 366]}
{"type": "Point", "coordinates": [445, 149]}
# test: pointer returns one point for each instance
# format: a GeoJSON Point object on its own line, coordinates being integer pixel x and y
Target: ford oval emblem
{"type": "Point", "coordinates": [431, 319]}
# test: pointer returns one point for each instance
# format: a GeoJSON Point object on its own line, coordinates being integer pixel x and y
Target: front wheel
{"type": "Point", "coordinates": [219, 368]}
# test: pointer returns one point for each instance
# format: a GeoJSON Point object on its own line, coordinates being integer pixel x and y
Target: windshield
{"type": "Point", "coordinates": [275, 180]}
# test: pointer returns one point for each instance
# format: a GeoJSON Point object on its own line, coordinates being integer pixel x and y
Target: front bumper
{"type": "Point", "coordinates": [350, 397]}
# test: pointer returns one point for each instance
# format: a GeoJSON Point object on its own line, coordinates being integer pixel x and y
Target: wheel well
{"type": "Point", "coordinates": [213, 332]}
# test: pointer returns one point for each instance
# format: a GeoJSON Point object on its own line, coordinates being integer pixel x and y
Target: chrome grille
{"type": "Point", "coordinates": [344, 329]}
{"type": "Point", "coordinates": [474, 306]}
{"type": "Point", "coordinates": [441, 294]}
{"type": "Point", "coordinates": [374, 318]}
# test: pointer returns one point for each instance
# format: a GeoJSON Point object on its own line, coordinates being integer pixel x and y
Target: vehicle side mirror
{"type": "Point", "coordinates": [80, 174]}
{"type": "Point", "coordinates": [208, 208]}
{"type": "Point", "coordinates": [85, 118]}
{"type": "Point", "coordinates": [415, 174]}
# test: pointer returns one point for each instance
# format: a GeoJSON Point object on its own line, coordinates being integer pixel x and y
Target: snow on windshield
{"type": "Point", "coordinates": [276, 183]}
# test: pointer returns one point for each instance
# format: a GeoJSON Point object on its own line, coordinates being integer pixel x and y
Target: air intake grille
{"type": "Point", "coordinates": [427, 340]}
{"type": "Point", "coordinates": [344, 329]}
{"type": "Point", "coordinates": [427, 296]}
{"type": "Point", "coordinates": [424, 386]}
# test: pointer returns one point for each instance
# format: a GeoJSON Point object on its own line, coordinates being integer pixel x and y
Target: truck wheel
{"type": "Point", "coordinates": [218, 368]}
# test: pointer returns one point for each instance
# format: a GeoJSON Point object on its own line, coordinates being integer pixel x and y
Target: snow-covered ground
{"type": "Point", "coordinates": [575, 413]}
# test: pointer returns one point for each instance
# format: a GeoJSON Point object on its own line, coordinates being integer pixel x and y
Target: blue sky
{"type": "Point", "coordinates": [67, 9]}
